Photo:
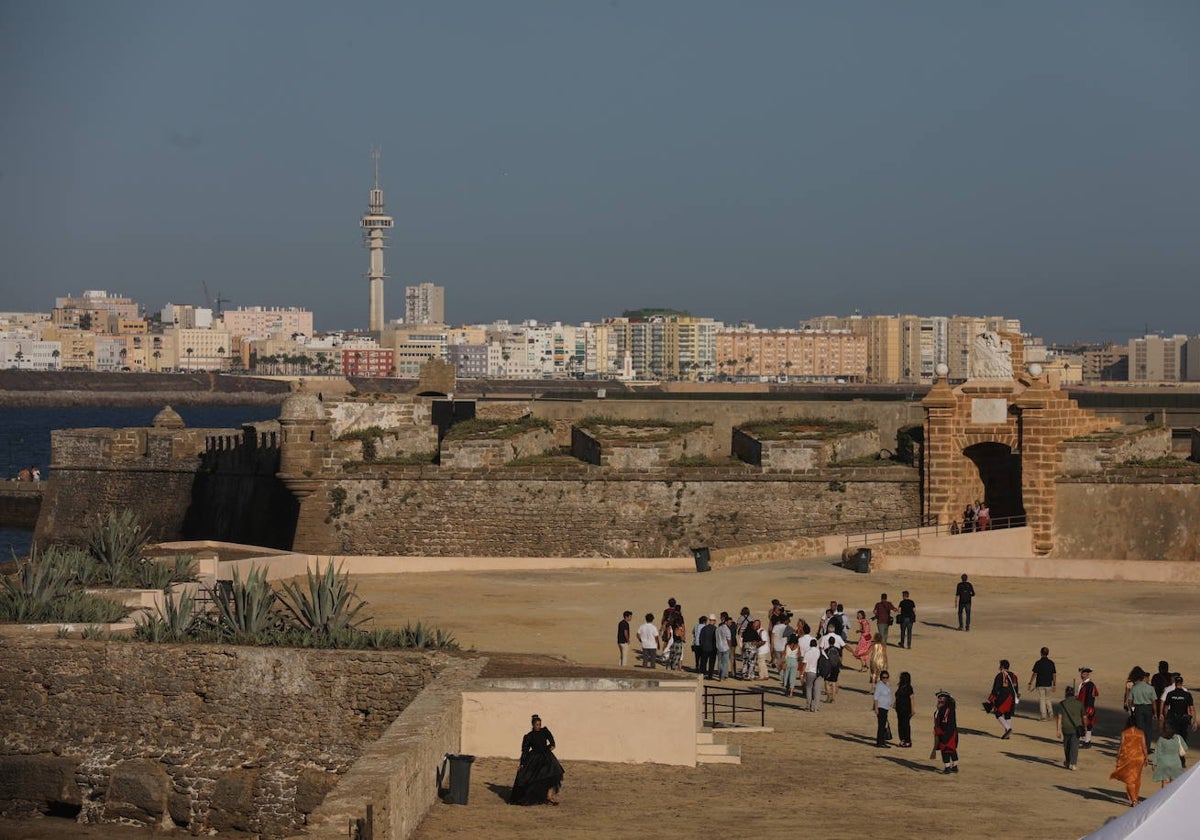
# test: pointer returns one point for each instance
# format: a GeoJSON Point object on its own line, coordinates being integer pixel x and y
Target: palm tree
{"type": "Point", "coordinates": [190, 351]}
{"type": "Point", "coordinates": [157, 355]}
{"type": "Point", "coordinates": [56, 354]}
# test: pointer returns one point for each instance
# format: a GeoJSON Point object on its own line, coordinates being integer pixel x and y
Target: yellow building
{"type": "Point", "coordinates": [791, 355]}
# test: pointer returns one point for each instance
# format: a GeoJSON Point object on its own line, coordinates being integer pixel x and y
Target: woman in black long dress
{"type": "Point", "coordinates": [540, 775]}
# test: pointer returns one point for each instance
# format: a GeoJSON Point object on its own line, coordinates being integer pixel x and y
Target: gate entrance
{"type": "Point", "coordinates": [1000, 474]}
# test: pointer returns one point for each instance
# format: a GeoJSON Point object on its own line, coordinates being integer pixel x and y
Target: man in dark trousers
{"type": "Point", "coordinates": [906, 619]}
{"type": "Point", "coordinates": [623, 638]}
{"type": "Point", "coordinates": [1178, 709]}
{"type": "Point", "coordinates": [963, 595]}
{"type": "Point", "coordinates": [706, 658]}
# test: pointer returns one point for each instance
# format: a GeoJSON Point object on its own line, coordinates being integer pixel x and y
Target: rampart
{"type": "Point", "coordinates": [184, 483]}
{"type": "Point", "coordinates": [541, 511]}
{"type": "Point", "coordinates": [192, 735]}
{"type": "Point", "coordinates": [1128, 515]}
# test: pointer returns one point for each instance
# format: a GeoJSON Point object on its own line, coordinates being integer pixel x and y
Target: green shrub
{"type": "Point", "coordinates": [803, 428]}
{"type": "Point", "coordinates": [245, 611]}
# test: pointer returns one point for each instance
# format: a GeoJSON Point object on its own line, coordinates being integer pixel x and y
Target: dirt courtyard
{"type": "Point", "coordinates": [820, 773]}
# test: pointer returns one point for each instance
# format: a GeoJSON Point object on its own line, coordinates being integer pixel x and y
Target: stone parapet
{"type": "Point", "coordinates": [235, 737]}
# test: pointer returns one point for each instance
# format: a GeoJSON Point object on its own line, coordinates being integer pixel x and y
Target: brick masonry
{"type": "Point", "coordinates": [201, 736]}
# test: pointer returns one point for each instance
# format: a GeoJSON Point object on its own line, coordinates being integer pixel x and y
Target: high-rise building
{"type": "Point", "coordinates": [424, 303]}
{"type": "Point", "coordinates": [666, 346]}
{"type": "Point", "coordinates": [804, 355]}
{"type": "Point", "coordinates": [262, 321]}
{"type": "Point", "coordinates": [1156, 358]}
{"type": "Point", "coordinates": [374, 223]}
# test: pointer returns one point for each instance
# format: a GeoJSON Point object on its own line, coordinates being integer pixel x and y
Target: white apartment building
{"type": "Point", "coordinates": [19, 350]}
{"type": "Point", "coordinates": [424, 303]}
{"type": "Point", "coordinates": [263, 321]}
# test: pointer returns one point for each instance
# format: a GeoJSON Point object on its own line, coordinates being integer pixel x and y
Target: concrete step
{"type": "Point", "coordinates": [718, 749]}
{"type": "Point", "coordinates": [718, 759]}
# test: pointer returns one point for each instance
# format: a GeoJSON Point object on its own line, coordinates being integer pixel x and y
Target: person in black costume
{"type": "Point", "coordinates": [540, 775]}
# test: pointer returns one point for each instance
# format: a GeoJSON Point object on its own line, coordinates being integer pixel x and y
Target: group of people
{"type": "Point", "coordinates": [29, 474]}
{"type": "Point", "coordinates": [1161, 715]}
{"type": "Point", "coordinates": [1161, 712]}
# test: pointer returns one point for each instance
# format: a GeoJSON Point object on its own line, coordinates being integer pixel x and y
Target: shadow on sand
{"type": "Point", "coordinates": [1097, 794]}
{"type": "Point", "coordinates": [1034, 759]}
{"type": "Point", "coordinates": [502, 791]}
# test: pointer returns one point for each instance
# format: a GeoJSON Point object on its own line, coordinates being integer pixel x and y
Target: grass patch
{"type": "Point", "coordinates": [643, 431]}
{"type": "Point", "coordinates": [803, 428]}
{"type": "Point", "coordinates": [369, 437]}
{"type": "Point", "coordinates": [1172, 462]}
{"type": "Point", "coordinates": [706, 461]}
{"type": "Point", "coordinates": [481, 429]}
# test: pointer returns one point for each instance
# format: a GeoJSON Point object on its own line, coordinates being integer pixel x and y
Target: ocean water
{"type": "Point", "coordinates": [25, 439]}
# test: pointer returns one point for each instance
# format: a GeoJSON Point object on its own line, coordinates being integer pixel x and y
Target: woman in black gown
{"type": "Point", "coordinates": [540, 775]}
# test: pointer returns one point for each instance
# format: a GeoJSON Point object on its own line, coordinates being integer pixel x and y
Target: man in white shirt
{"type": "Point", "coordinates": [764, 651]}
{"type": "Point", "coordinates": [831, 639]}
{"type": "Point", "coordinates": [648, 636]}
{"type": "Point", "coordinates": [813, 682]}
{"type": "Point", "coordinates": [779, 635]}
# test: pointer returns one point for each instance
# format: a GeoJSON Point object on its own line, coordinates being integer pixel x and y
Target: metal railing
{"type": "Point", "coordinates": [722, 705]}
{"type": "Point", "coordinates": [931, 525]}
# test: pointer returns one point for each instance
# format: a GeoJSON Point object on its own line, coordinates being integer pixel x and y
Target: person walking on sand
{"type": "Point", "coordinates": [906, 619]}
{"type": "Point", "coordinates": [964, 594]}
{"type": "Point", "coordinates": [789, 672]}
{"type": "Point", "coordinates": [1068, 725]}
{"type": "Point", "coordinates": [1002, 702]}
{"type": "Point", "coordinates": [648, 637]}
{"type": "Point", "coordinates": [1131, 760]}
{"type": "Point", "coordinates": [884, 611]}
{"type": "Point", "coordinates": [1087, 694]}
{"type": "Point", "coordinates": [707, 661]}
{"type": "Point", "coordinates": [1043, 678]}
{"type": "Point", "coordinates": [1169, 752]}
{"type": "Point", "coordinates": [945, 732]}
{"type": "Point", "coordinates": [877, 659]}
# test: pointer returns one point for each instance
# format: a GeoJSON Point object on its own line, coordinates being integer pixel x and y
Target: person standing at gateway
{"type": "Point", "coordinates": [964, 593]}
{"type": "Point", "coordinates": [1044, 678]}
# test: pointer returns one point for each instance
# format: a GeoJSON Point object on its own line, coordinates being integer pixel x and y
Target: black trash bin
{"type": "Point", "coordinates": [862, 561]}
{"type": "Point", "coordinates": [703, 559]}
{"type": "Point", "coordinates": [460, 779]}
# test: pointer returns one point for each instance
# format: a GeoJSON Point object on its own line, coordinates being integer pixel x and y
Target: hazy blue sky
{"type": "Point", "coordinates": [767, 161]}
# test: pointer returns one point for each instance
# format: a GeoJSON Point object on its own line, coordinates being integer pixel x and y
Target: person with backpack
{"type": "Point", "coordinates": [833, 654]}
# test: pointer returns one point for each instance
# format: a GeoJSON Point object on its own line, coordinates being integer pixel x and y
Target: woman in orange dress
{"type": "Point", "coordinates": [1131, 758]}
{"type": "Point", "coordinates": [862, 650]}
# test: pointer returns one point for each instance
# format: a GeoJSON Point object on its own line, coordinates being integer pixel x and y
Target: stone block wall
{"type": "Point", "coordinates": [1094, 515]}
{"type": "Point", "coordinates": [1092, 456]}
{"type": "Point", "coordinates": [349, 414]}
{"type": "Point", "coordinates": [495, 452]}
{"type": "Point", "coordinates": [775, 552]}
{"type": "Point", "coordinates": [642, 455]}
{"type": "Point", "coordinates": [201, 736]}
{"type": "Point", "coordinates": [805, 455]}
{"type": "Point", "coordinates": [530, 512]}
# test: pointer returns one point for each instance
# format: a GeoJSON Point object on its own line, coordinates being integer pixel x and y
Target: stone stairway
{"type": "Point", "coordinates": [711, 751]}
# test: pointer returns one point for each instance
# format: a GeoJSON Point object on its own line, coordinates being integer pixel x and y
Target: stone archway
{"type": "Point", "coordinates": [1000, 475]}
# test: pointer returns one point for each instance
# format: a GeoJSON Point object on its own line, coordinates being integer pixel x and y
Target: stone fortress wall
{"type": "Point", "coordinates": [293, 484]}
{"type": "Point", "coordinates": [196, 736]}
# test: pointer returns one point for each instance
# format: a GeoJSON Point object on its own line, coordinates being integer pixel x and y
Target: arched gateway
{"type": "Point", "coordinates": [998, 437]}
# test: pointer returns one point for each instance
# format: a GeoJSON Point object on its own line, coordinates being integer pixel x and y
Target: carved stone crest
{"type": "Point", "coordinates": [991, 357]}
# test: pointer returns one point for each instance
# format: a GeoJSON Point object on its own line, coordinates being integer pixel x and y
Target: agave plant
{"type": "Point", "coordinates": [246, 609]}
{"type": "Point", "coordinates": [172, 622]}
{"type": "Point", "coordinates": [29, 594]}
{"type": "Point", "coordinates": [326, 605]}
{"type": "Point", "coordinates": [117, 542]}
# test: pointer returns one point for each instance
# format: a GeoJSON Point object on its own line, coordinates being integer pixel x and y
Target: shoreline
{"type": "Point", "coordinates": [118, 399]}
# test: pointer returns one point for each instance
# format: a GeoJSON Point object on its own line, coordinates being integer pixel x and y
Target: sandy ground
{"type": "Point", "coordinates": [1015, 788]}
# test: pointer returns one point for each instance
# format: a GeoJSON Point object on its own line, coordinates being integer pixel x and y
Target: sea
{"type": "Point", "coordinates": [25, 439]}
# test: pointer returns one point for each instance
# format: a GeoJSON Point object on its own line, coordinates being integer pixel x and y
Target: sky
{"type": "Point", "coordinates": [568, 159]}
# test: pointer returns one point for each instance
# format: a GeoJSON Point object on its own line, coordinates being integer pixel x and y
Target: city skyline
{"type": "Point", "coordinates": [565, 162]}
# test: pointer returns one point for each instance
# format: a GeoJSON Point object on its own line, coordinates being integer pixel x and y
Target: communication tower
{"type": "Point", "coordinates": [374, 223]}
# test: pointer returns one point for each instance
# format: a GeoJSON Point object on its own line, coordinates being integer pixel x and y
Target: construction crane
{"type": "Point", "coordinates": [214, 303]}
